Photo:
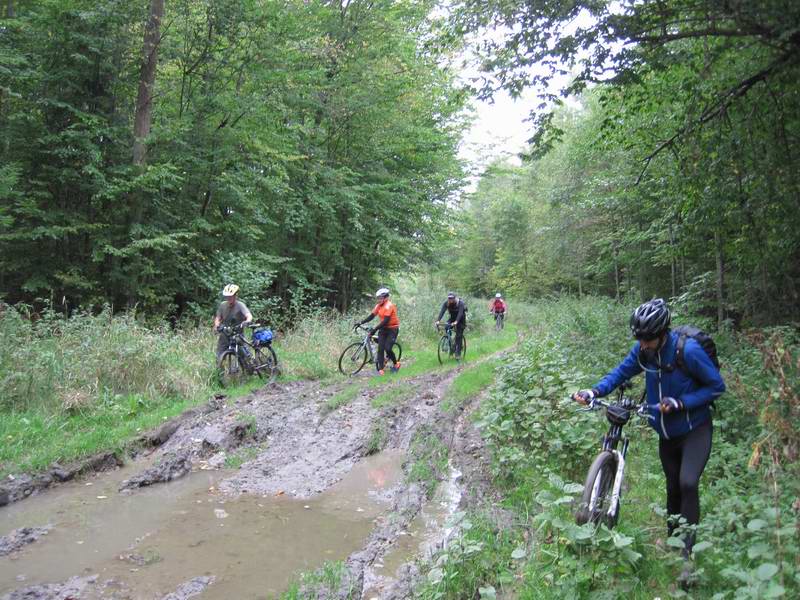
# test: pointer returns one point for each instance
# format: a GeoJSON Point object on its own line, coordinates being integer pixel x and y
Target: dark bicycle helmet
{"type": "Point", "coordinates": [650, 320]}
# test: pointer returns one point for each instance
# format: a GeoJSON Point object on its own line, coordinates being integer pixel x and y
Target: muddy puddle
{"type": "Point", "coordinates": [427, 533]}
{"type": "Point", "coordinates": [159, 537]}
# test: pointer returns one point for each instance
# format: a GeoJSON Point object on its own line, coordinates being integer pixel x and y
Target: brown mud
{"type": "Point", "coordinates": [232, 499]}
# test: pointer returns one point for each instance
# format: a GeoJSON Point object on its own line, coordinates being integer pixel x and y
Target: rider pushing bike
{"type": "Point", "coordinates": [456, 310]}
{"type": "Point", "coordinates": [678, 402]}
{"type": "Point", "coordinates": [387, 330]}
{"type": "Point", "coordinates": [232, 312]}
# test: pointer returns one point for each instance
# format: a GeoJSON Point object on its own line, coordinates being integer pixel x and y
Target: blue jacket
{"type": "Point", "coordinates": [696, 384]}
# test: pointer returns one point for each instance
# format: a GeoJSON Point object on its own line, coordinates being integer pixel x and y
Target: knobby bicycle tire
{"type": "Point", "coordinates": [353, 358]}
{"type": "Point", "coordinates": [597, 490]}
{"type": "Point", "coordinates": [266, 363]}
{"type": "Point", "coordinates": [398, 350]}
{"type": "Point", "coordinates": [230, 370]}
{"type": "Point", "coordinates": [443, 349]}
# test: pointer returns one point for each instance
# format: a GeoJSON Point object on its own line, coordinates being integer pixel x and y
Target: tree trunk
{"type": "Point", "coordinates": [10, 9]}
{"type": "Point", "coordinates": [672, 262]}
{"type": "Point", "coordinates": [616, 272]}
{"type": "Point", "coordinates": [144, 99]}
{"type": "Point", "coordinates": [720, 280]}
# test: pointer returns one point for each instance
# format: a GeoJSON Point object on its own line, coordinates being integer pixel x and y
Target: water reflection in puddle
{"type": "Point", "coordinates": [171, 533]}
{"type": "Point", "coordinates": [427, 532]}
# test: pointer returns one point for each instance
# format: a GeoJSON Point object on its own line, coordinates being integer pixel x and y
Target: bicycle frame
{"type": "Point", "coordinates": [448, 331]}
{"type": "Point", "coordinates": [367, 343]}
{"type": "Point", "coordinates": [612, 439]}
{"type": "Point", "coordinates": [239, 345]}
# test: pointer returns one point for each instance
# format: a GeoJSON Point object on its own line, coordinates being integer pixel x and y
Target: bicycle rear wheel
{"type": "Point", "coordinates": [594, 504]}
{"type": "Point", "coordinates": [353, 358]}
{"type": "Point", "coordinates": [266, 363]}
{"type": "Point", "coordinates": [443, 349]}
{"type": "Point", "coordinates": [230, 371]}
{"type": "Point", "coordinates": [398, 351]}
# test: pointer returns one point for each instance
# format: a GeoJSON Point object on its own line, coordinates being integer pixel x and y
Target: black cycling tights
{"type": "Point", "coordinates": [683, 460]}
{"type": "Point", "coordinates": [386, 339]}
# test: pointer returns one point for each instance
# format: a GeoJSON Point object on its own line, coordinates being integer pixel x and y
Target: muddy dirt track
{"type": "Point", "coordinates": [233, 499]}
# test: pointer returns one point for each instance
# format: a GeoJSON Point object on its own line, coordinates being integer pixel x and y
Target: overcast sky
{"type": "Point", "coordinates": [500, 129]}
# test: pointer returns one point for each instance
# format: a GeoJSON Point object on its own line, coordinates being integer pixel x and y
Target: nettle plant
{"type": "Point", "coordinates": [529, 418]}
{"type": "Point", "coordinates": [577, 558]}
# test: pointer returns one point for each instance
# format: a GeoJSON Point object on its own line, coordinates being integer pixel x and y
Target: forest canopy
{"type": "Point", "coordinates": [151, 152]}
{"type": "Point", "coordinates": [673, 171]}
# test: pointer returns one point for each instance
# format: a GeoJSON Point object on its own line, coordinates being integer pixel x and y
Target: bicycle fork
{"type": "Point", "coordinates": [619, 475]}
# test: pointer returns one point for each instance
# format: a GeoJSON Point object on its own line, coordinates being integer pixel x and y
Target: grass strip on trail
{"type": "Point", "coordinates": [471, 382]}
{"type": "Point", "coordinates": [422, 358]}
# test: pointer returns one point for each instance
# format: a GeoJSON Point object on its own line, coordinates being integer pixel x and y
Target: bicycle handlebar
{"type": "Point", "coordinates": [598, 403]}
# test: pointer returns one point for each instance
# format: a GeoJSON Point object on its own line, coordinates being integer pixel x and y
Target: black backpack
{"type": "Point", "coordinates": [698, 335]}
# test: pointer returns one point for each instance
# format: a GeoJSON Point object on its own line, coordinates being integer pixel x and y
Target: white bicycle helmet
{"type": "Point", "coordinates": [382, 293]}
{"type": "Point", "coordinates": [498, 295]}
{"type": "Point", "coordinates": [230, 290]}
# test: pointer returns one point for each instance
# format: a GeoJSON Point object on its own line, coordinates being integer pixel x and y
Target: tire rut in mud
{"type": "Point", "coordinates": [420, 419]}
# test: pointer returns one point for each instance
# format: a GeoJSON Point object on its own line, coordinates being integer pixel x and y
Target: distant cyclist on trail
{"type": "Point", "coordinates": [679, 396]}
{"type": "Point", "coordinates": [387, 330]}
{"type": "Point", "coordinates": [498, 306]}
{"type": "Point", "coordinates": [231, 312]}
{"type": "Point", "coordinates": [458, 318]}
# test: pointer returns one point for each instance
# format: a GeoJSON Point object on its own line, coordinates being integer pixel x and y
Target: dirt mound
{"type": "Point", "coordinates": [76, 587]}
{"type": "Point", "coordinates": [19, 538]}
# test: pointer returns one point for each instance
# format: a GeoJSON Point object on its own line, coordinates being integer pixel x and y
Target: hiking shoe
{"type": "Point", "coordinates": [395, 367]}
{"type": "Point", "coordinates": [380, 371]}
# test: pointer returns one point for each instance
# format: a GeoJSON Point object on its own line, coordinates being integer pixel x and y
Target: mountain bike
{"type": "Point", "coordinates": [242, 357]}
{"type": "Point", "coordinates": [357, 354]}
{"type": "Point", "coordinates": [447, 344]}
{"type": "Point", "coordinates": [499, 318]}
{"type": "Point", "coordinates": [600, 501]}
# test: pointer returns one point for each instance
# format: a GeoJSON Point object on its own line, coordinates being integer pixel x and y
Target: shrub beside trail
{"type": "Point", "coordinates": [541, 447]}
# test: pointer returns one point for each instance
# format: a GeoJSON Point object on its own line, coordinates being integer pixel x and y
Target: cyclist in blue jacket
{"type": "Point", "coordinates": [678, 402]}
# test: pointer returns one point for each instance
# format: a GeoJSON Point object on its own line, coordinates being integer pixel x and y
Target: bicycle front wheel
{"type": "Point", "coordinates": [443, 349]}
{"type": "Point", "coordinates": [597, 492]}
{"type": "Point", "coordinates": [266, 363]}
{"type": "Point", "coordinates": [353, 358]}
{"type": "Point", "coordinates": [230, 371]}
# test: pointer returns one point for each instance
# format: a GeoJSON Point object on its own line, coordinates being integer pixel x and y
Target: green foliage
{"type": "Point", "coordinates": [327, 580]}
{"type": "Point", "coordinates": [673, 174]}
{"type": "Point", "coordinates": [478, 556]}
{"type": "Point", "coordinates": [541, 448]}
{"type": "Point", "coordinates": [295, 149]}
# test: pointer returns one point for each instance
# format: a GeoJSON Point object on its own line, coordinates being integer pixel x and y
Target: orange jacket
{"type": "Point", "coordinates": [387, 309]}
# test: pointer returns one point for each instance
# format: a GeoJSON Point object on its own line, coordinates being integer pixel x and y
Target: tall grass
{"type": "Point", "coordinates": [61, 364]}
{"type": "Point", "coordinates": [73, 386]}
{"type": "Point", "coordinates": [70, 387]}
